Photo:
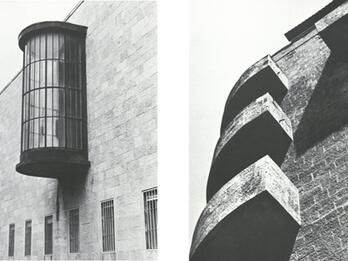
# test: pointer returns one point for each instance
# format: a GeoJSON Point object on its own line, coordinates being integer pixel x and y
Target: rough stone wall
{"type": "Point", "coordinates": [316, 162]}
{"type": "Point", "coordinates": [121, 104]}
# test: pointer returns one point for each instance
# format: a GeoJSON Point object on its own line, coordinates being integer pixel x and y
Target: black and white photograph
{"type": "Point", "coordinates": [78, 130]}
{"type": "Point", "coordinates": [198, 130]}
{"type": "Point", "coordinates": [268, 130]}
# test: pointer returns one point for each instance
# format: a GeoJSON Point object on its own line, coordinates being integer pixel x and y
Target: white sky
{"type": "Point", "coordinates": [15, 15]}
{"type": "Point", "coordinates": [226, 38]}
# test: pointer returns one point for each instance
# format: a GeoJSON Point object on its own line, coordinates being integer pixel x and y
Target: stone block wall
{"type": "Point", "coordinates": [316, 162]}
{"type": "Point", "coordinates": [122, 139]}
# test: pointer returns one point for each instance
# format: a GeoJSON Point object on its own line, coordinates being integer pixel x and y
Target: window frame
{"type": "Point", "coordinates": [150, 233]}
{"type": "Point", "coordinates": [46, 236]}
{"type": "Point", "coordinates": [113, 225]}
{"type": "Point", "coordinates": [78, 230]}
{"type": "Point", "coordinates": [11, 240]}
{"type": "Point", "coordinates": [25, 237]}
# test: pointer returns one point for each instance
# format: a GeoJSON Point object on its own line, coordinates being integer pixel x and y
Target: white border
{"type": "Point", "coordinates": [173, 67]}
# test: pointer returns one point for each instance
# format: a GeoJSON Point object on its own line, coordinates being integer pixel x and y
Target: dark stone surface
{"type": "Point", "coordinates": [262, 77]}
{"type": "Point", "coordinates": [257, 134]}
{"type": "Point", "coordinates": [258, 230]}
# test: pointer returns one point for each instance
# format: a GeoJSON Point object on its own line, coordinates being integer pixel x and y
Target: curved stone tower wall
{"type": "Point", "coordinates": [311, 101]}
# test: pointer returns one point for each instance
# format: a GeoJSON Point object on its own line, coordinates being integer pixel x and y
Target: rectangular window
{"type": "Point", "coordinates": [27, 240]}
{"type": "Point", "coordinates": [150, 211]}
{"type": "Point", "coordinates": [11, 240]}
{"type": "Point", "coordinates": [108, 227]}
{"type": "Point", "coordinates": [48, 235]}
{"type": "Point", "coordinates": [74, 230]}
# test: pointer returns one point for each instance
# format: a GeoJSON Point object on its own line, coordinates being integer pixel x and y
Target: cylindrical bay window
{"type": "Point", "coordinates": [54, 113]}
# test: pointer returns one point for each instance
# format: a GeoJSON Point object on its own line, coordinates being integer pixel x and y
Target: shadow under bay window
{"type": "Point", "coordinates": [54, 113]}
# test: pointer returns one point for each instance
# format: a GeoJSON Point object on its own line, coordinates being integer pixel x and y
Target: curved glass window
{"type": "Point", "coordinates": [52, 91]}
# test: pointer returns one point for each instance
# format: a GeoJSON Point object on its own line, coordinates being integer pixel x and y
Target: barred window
{"type": "Point", "coordinates": [74, 230]}
{"type": "Point", "coordinates": [11, 240]}
{"type": "Point", "coordinates": [150, 209]}
{"type": "Point", "coordinates": [27, 241]}
{"type": "Point", "coordinates": [108, 227]}
{"type": "Point", "coordinates": [48, 235]}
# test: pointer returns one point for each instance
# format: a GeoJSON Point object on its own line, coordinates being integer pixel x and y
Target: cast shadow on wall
{"type": "Point", "coordinates": [327, 109]}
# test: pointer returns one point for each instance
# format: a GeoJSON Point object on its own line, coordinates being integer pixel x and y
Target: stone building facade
{"type": "Point", "coordinates": [121, 76]}
{"type": "Point", "coordinates": [277, 188]}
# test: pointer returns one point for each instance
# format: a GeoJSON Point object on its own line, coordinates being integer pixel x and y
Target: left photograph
{"type": "Point", "coordinates": [78, 130]}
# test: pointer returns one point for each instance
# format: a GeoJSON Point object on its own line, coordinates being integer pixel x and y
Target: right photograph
{"type": "Point", "coordinates": [268, 130]}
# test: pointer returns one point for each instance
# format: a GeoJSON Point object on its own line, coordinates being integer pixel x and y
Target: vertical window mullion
{"type": "Point", "coordinates": [45, 90]}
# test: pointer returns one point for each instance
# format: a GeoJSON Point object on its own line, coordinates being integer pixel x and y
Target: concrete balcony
{"type": "Point", "coordinates": [333, 30]}
{"type": "Point", "coordinates": [260, 129]}
{"type": "Point", "coordinates": [264, 76]}
{"type": "Point", "coordinates": [255, 216]}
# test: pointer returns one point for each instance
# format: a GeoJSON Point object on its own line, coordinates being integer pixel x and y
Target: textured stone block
{"type": "Point", "coordinates": [121, 110]}
{"type": "Point", "coordinates": [260, 129]}
{"type": "Point", "coordinates": [255, 216]}
{"type": "Point", "coordinates": [262, 77]}
{"type": "Point", "coordinates": [333, 30]}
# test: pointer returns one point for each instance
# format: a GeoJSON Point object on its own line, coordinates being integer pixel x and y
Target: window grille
{"type": "Point", "coordinates": [108, 227]}
{"type": "Point", "coordinates": [48, 235]}
{"type": "Point", "coordinates": [27, 241]}
{"type": "Point", "coordinates": [11, 240]}
{"type": "Point", "coordinates": [74, 230]}
{"type": "Point", "coordinates": [150, 209]}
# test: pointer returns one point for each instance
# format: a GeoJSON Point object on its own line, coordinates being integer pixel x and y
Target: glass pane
{"type": "Point", "coordinates": [36, 103]}
{"type": "Point", "coordinates": [25, 78]}
{"type": "Point", "coordinates": [32, 78]}
{"type": "Point", "coordinates": [58, 132]}
{"type": "Point", "coordinates": [42, 46]}
{"type": "Point", "coordinates": [49, 73]}
{"type": "Point", "coordinates": [42, 132]}
{"type": "Point", "coordinates": [73, 49]}
{"type": "Point", "coordinates": [55, 73]}
{"type": "Point", "coordinates": [67, 48]}
{"type": "Point", "coordinates": [67, 75]}
{"type": "Point", "coordinates": [31, 105]}
{"type": "Point", "coordinates": [73, 104]}
{"type": "Point", "coordinates": [68, 102]}
{"type": "Point", "coordinates": [79, 51]}
{"type": "Point", "coordinates": [55, 46]}
{"type": "Point", "coordinates": [42, 103]}
{"type": "Point", "coordinates": [71, 133]}
{"type": "Point", "coordinates": [49, 132]}
{"type": "Point", "coordinates": [49, 102]}
{"type": "Point", "coordinates": [79, 76]}
{"type": "Point", "coordinates": [73, 76]}
{"type": "Point", "coordinates": [42, 74]}
{"type": "Point", "coordinates": [37, 48]}
{"type": "Point", "coordinates": [49, 46]}
{"type": "Point", "coordinates": [61, 78]}
{"type": "Point", "coordinates": [61, 46]}
{"type": "Point", "coordinates": [78, 134]}
{"type": "Point", "coordinates": [78, 104]}
{"type": "Point", "coordinates": [58, 102]}
{"type": "Point", "coordinates": [37, 75]}
{"type": "Point", "coordinates": [25, 136]}
{"type": "Point", "coordinates": [32, 50]}
{"type": "Point", "coordinates": [36, 133]}
{"type": "Point", "coordinates": [31, 134]}
{"type": "Point", "coordinates": [26, 54]}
